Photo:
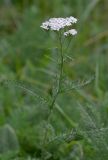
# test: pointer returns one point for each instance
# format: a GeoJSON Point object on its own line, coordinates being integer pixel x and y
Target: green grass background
{"type": "Point", "coordinates": [27, 75]}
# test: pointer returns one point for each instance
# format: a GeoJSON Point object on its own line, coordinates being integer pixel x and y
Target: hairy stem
{"type": "Point", "coordinates": [58, 89]}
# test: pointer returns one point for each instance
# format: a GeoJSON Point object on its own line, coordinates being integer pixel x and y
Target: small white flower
{"type": "Point", "coordinates": [71, 19]}
{"type": "Point", "coordinates": [56, 24]}
{"type": "Point", "coordinates": [45, 25]}
{"type": "Point", "coordinates": [71, 32]}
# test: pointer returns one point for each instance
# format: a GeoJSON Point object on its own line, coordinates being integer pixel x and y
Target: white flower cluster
{"type": "Point", "coordinates": [72, 32]}
{"type": "Point", "coordinates": [56, 24]}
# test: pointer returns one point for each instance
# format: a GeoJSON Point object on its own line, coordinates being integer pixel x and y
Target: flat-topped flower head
{"type": "Point", "coordinates": [56, 24]}
{"type": "Point", "coordinates": [71, 32]}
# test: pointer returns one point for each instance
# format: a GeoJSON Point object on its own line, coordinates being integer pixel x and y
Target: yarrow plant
{"type": "Point", "coordinates": [56, 24]}
{"type": "Point", "coordinates": [63, 28]}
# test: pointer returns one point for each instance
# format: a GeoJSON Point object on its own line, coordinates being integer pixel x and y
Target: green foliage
{"type": "Point", "coordinates": [29, 62]}
{"type": "Point", "coordinates": [8, 139]}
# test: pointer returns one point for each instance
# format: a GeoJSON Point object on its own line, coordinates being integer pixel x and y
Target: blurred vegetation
{"type": "Point", "coordinates": [27, 74]}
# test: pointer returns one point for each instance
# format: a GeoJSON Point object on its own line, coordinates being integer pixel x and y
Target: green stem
{"type": "Point", "coordinates": [58, 89]}
{"type": "Point", "coordinates": [61, 66]}
{"type": "Point", "coordinates": [69, 42]}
